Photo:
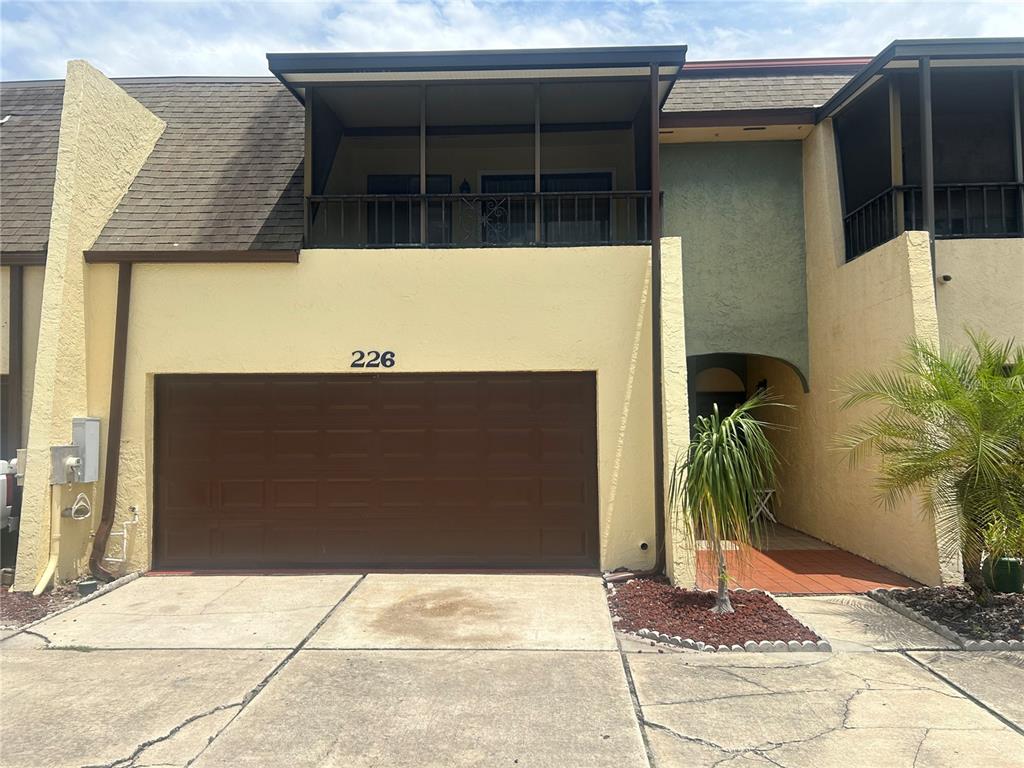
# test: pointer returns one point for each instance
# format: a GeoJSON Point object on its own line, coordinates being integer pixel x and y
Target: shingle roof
{"type": "Point", "coordinates": [227, 172]}
{"type": "Point", "coordinates": [788, 91]}
{"type": "Point", "coordinates": [28, 161]}
{"type": "Point", "coordinates": [225, 175]}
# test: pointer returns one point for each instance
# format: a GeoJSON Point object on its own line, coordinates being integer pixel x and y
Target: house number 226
{"type": "Point", "coordinates": [371, 358]}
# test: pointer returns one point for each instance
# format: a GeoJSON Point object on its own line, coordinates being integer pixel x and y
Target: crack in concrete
{"type": "Point", "coordinates": [40, 635]}
{"type": "Point", "coordinates": [222, 594]}
{"type": "Point", "coordinates": [726, 697]}
{"type": "Point", "coordinates": [131, 760]}
{"type": "Point", "coordinates": [920, 744]}
{"type": "Point", "coordinates": [635, 699]}
{"type": "Point", "coordinates": [254, 692]}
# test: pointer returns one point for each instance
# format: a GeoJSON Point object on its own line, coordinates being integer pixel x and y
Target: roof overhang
{"type": "Point", "coordinates": [299, 71]}
{"type": "Point", "coordinates": [907, 54]}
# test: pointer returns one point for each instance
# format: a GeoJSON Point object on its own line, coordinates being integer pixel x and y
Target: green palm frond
{"type": "Point", "coordinates": [950, 427]}
{"type": "Point", "coordinates": [715, 487]}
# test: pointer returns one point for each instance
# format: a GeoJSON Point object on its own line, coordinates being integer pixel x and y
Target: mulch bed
{"type": "Point", "coordinates": [20, 608]}
{"type": "Point", "coordinates": [647, 604]}
{"type": "Point", "coordinates": [956, 608]}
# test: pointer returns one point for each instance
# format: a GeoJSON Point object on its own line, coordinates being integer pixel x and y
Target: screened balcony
{"type": "Point", "coordinates": [934, 145]}
{"type": "Point", "coordinates": [492, 149]}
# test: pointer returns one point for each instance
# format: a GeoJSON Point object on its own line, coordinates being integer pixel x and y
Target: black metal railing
{"type": "Point", "coordinates": [475, 220]}
{"type": "Point", "coordinates": [976, 210]}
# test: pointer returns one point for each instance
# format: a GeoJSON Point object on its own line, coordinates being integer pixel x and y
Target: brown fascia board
{"type": "Point", "coordinates": [22, 258]}
{"type": "Point", "coordinates": [525, 58]}
{"type": "Point", "coordinates": [952, 48]}
{"type": "Point", "coordinates": [726, 118]}
{"type": "Point", "coordinates": [193, 257]}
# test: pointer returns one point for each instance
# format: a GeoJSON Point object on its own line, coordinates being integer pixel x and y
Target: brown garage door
{"type": "Point", "coordinates": [387, 470]}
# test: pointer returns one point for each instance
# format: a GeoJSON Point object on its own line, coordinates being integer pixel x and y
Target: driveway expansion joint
{"type": "Point", "coordinates": [254, 692]}
{"type": "Point", "coordinates": [638, 711]}
{"type": "Point", "coordinates": [964, 693]}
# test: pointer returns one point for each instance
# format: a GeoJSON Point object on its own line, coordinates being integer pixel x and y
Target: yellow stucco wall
{"type": "Point", "coordinates": [32, 298]}
{"type": "Point", "coordinates": [986, 292]}
{"type": "Point", "coordinates": [105, 136]}
{"type": "Point", "coordinates": [545, 309]}
{"type": "Point", "coordinates": [860, 315]}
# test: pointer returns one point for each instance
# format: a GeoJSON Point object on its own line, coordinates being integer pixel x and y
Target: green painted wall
{"type": "Point", "coordinates": [738, 208]}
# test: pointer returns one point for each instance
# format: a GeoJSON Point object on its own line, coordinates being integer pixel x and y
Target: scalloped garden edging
{"type": "Point", "coordinates": [966, 643]}
{"type": "Point", "coordinates": [750, 646]}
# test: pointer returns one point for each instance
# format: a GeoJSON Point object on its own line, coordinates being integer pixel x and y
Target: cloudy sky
{"type": "Point", "coordinates": [231, 37]}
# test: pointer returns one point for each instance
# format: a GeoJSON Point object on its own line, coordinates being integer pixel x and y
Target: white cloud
{"type": "Point", "coordinates": [231, 37]}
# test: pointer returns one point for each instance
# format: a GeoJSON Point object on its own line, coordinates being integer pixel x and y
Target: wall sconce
{"type": "Point", "coordinates": [464, 187]}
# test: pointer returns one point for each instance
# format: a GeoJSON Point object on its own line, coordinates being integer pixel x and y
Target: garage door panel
{"type": "Point", "coordinates": [348, 443]}
{"type": "Point", "coordinates": [563, 542]}
{"type": "Point", "coordinates": [240, 445]}
{"type": "Point", "coordinates": [288, 494]}
{"type": "Point", "coordinates": [296, 445]}
{"type": "Point", "coordinates": [389, 469]}
{"type": "Point", "coordinates": [237, 540]}
{"type": "Point", "coordinates": [243, 494]}
{"type": "Point", "coordinates": [192, 492]}
{"type": "Point", "coordinates": [356, 493]}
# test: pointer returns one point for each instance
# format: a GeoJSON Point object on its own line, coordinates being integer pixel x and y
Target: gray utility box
{"type": "Point", "coordinates": [85, 433]}
{"type": "Point", "coordinates": [80, 461]}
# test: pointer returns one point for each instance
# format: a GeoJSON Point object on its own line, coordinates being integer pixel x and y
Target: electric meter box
{"type": "Point", "coordinates": [85, 435]}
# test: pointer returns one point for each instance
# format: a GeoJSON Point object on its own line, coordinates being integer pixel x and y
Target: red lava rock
{"type": "Point", "coordinates": [956, 608]}
{"type": "Point", "coordinates": [647, 604]}
{"type": "Point", "coordinates": [20, 608]}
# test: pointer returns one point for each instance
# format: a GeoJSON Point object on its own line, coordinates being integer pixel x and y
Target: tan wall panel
{"type": "Point", "coordinates": [860, 315]}
{"type": "Point", "coordinates": [986, 292]}
{"type": "Point", "coordinates": [545, 309]}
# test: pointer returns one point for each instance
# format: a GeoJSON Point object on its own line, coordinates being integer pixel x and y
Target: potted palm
{"type": "Point", "coordinates": [714, 489]}
{"type": "Point", "coordinates": [1004, 545]}
{"type": "Point", "coordinates": [950, 428]}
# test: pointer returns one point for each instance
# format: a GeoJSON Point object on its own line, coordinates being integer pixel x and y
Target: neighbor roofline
{"type": "Point", "coordinates": [935, 49]}
{"type": "Point", "coordinates": [755, 67]}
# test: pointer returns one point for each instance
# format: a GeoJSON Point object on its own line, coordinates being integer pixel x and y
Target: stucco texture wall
{"type": "Point", "coordinates": [738, 208]}
{"type": "Point", "coordinates": [986, 292]}
{"type": "Point", "coordinates": [105, 136]}
{"type": "Point", "coordinates": [523, 309]}
{"type": "Point", "coordinates": [860, 316]}
{"type": "Point", "coordinates": [32, 299]}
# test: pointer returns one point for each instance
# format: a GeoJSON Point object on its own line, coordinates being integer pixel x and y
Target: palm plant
{"type": "Point", "coordinates": [951, 428]}
{"type": "Point", "coordinates": [715, 488]}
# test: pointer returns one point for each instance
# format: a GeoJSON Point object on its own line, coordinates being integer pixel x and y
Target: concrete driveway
{"type": "Point", "coordinates": [474, 670]}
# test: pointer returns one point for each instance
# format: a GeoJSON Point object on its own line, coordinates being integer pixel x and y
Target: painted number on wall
{"type": "Point", "coordinates": [371, 358]}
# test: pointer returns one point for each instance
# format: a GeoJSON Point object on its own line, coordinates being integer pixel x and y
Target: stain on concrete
{"type": "Point", "coordinates": [438, 615]}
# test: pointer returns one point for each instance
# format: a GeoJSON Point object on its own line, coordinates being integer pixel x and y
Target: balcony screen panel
{"type": "Point", "coordinates": [972, 124]}
{"type": "Point", "coordinates": [862, 129]}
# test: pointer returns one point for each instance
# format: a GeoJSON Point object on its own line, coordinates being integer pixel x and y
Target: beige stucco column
{"type": "Point", "coordinates": [680, 560]}
{"type": "Point", "coordinates": [105, 137]}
